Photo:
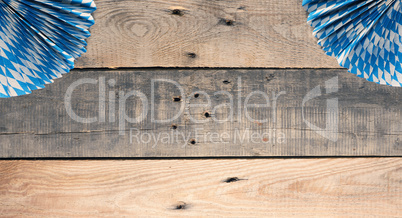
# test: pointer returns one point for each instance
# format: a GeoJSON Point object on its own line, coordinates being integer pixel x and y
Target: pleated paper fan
{"type": "Point", "coordinates": [364, 36]}
{"type": "Point", "coordinates": [39, 41]}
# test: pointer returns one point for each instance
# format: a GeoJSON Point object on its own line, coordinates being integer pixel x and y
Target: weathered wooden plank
{"type": "Point", "coordinates": [175, 33]}
{"type": "Point", "coordinates": [356, 117]}
{"type": "Point", "coordinates": [366, 187]}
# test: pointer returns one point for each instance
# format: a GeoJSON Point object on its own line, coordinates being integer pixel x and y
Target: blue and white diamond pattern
{"type": "Point", "coordinates": [39, 41]}
{"type": "Point", "coordinates": [364, 35]}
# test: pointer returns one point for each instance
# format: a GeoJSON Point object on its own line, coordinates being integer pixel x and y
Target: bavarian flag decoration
{"type": "Point", "coordinates": [39, 41]}
{"type": "Point", "coordinates": [364, 36]}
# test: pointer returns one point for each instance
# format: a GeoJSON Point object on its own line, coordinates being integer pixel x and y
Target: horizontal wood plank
{"type": "Point", "coordinates": [364, 187]}
{"type": "Point", "coordinates": [175, 33]}
{"type": "Point", "coordinates": [351, 117]}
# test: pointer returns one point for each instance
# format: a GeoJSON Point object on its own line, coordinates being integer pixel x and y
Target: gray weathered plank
{"type": "Point", "coordinates": [233, 33]}
{"type": "Point", "coordinates": [369, 116]}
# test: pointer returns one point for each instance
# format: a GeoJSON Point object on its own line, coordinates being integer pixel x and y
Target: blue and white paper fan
{"type": "Point", "coordinates": [39, 41]}
{"type": "Point", "coordinates": [364, 36]}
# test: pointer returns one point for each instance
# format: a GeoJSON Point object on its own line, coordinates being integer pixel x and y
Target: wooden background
{"type": "Point", "coordinates": [234, 33]}
{"type": "Point", "coordinates": [204, 46]}
{"type": "Point", "coordinates": [363, 187]}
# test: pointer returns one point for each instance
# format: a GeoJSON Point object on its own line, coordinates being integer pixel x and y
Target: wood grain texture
{"type": "Point", "coordinates": [369, 116]}
{"type": "Point", "coordinates": [192, 33]}
{"type": "Point", "coordinates": [362, 187]}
